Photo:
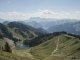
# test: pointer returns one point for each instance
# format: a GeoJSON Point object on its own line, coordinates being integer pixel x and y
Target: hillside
{"type": "Point", "coordinates": [17, 32]}
{"type": "Point", "coordinates": [12, 36]}
{"type": "Point", "coordinates": [10, 56]}
{"type": "Point", "coordinates": [4, 31]}
{"type": "Point", "coordinates": [20, 41]}
{"type": "Point", "coordinates": [20, 30]}
{"type": "Point", "coordinates": [61, 47]}
{"type": "Point", "coordinates": [43, 38]}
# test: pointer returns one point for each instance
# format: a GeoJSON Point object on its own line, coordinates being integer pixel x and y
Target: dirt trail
{"type": "Point", "coordinates": [57, 46]}
{"type": "Point", "coordinates": [54, 53]}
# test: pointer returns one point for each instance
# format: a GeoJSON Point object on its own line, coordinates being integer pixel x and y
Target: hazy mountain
{"type": "Point", "coordinates": [2, 20]}
{"type": "Point", "coordinates": [5, 22]}
{"type": "Point", "coordinates": [71, 27]}
{"type": "Point", "coordinates": [38, 27]}
{"type": "Point", "coordinates": [44, 23]}
{"type": "Point", "coordinates": [34, 24]}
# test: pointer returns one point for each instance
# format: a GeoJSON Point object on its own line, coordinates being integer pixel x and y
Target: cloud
{"type": "Point", "coordinates": [41, 14]}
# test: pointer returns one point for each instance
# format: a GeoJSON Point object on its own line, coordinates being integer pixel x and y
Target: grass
{"type": "Point", "coordinates": [15, 34]}
{"type": "Point", "coordinates": [15, 55]}
{"type": "Point", "coordinates": [45, 49]}
{"type": "Point", "coordinates": [11, 56]}
{"type": "Point", "coordinates": [68, 48]}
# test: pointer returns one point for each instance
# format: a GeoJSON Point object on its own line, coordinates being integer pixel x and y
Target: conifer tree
{"type": "Point", "coordinates": [7, 47]}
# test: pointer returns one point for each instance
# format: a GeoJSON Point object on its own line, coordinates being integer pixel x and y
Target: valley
{"type": "Point", "coordinates": [39, 29]}
{"type": "Point", "coordinates": [19, 41]}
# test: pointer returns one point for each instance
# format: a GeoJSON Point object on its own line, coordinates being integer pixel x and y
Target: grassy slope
{"type": "Point", "coordinates": [2, 43]}
{"type": "Point", "coordinates": [44, 49]}
{"type": "Point", "coordinates": [24, 53]}
{"type": "Point", "coordinates": [16, 55]}
{"type": "Point", "coordinates": [13, 55]}
{"type": "Point", "coordinates": [68, 48]}
{"type": "Point", "coordinates": [10, 56]}
{"type": "Point", "coordinates": [19, 36]}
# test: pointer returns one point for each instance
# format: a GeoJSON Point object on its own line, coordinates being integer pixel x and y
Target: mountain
{"type": "Point", "coordinates": [12, 36]}
{"type": "Point", "coordinates": [56, 25]}
{"type": "Point", "coordinates": [20, 41]}
{"type": "Point", "coordinates": [23, 26]}
{"type": "Point", "coordinates": [51, 46]}
{"type": "Point", "coordinates": [38, 40]}
{"type": "Point", "coordinates": [36, 25]}
{"type": "Point", "coordinates": [62, 46]}
{"type": "Point", "coordinates": [45, 23]}
{"type": "Point", "coordinates": [33, 24]}
{"type": "Point", "coordinates": [2, 20]}
{"type": "Point", "coordinates": [6, 37]}
{"type": "Point", "coordinates": [17, 33]}
{"type": "Point", "coordinates": [73, 28]}
{"type": "Point", "coordinates": [4, 31]}
{"type": "Point", "coordinates": [6, 22]}
{"type": "Point", "coordinates": [21, 30]}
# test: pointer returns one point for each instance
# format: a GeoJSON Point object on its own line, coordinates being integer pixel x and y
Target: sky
{"type": "Point", "coordinates": [25, 9]}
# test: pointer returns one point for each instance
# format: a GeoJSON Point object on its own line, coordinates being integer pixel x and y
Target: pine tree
{"type": "Point", "coordinates": [7, 47]}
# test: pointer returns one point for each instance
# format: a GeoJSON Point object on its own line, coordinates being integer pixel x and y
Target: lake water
{"type": "Point", "coordinates": [21, 46]}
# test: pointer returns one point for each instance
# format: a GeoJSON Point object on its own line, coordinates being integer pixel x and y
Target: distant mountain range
{"type": "Point", "coordinates": [71, 27]}
{"type": "Point", "coordinates": [40, 40]}
{"type": "Point", "coordinates": [52, 25]}
{"type": "Point", "coordinates": [46, 23]}
{"type": "Point", "coordinates": [55, 25]}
